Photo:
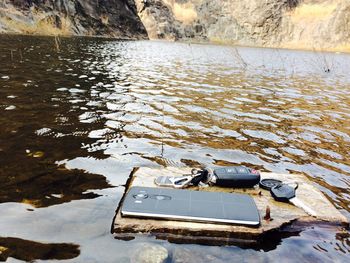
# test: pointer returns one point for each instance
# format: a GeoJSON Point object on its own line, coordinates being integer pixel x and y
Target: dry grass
{"type": "Point", "coordinates": [185, 13]}
{"type": "Point", "coordinates": [306, 46]}
{"type": "Point", "coordinates": [105, 19]}
{"type": "Point", "coordinates": [313, 11]}
{"type": "Point", "coordinates": [342, 48]}
{"type": "Point", "coordinates": [32, 202]}
{"type": "Point", "coordinates": [42, 25]}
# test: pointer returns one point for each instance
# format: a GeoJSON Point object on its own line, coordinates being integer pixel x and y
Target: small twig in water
{"type": "Point", "coordinates": [20, 54]}
{"type": "Point", "coordinates": [57, 43]}
{"type": "Point", "coordinates": [239, 58]}
{"type": "Point", "coordinates": [322, 61]}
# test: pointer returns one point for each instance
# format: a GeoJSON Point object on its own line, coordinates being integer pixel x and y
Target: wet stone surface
{"type": "Point", "coordinates": [149, 253]}
{"type": "Point", "coordinates": [281, 213]}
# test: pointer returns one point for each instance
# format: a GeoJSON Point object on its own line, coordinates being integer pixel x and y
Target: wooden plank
{"type": "Point", "coordinates": [281, 213]}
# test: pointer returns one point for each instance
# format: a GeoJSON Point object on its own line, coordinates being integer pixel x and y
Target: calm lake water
{"type": "Point", "coordinates": [75, 121]}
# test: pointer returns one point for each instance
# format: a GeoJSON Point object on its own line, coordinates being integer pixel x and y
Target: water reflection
{"type": "Point", "coordinates": [27, 250]}
{"type": "Point", "coordinates": [42, 184]}
{"type": "Point", "coordinates": [80, 119]}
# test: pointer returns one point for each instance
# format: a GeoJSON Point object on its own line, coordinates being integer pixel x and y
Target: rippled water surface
{"type": "Point", "coordinates": [76, 119]}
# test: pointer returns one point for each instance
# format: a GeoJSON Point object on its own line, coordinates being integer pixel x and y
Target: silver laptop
{"type": "Point", "coordinates": [187, 205]}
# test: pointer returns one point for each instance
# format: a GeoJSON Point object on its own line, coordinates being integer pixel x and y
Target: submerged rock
{"type": "Point", "coordinates": [149, 253]}
{"type": "Point", "coordinates": [213, 255]}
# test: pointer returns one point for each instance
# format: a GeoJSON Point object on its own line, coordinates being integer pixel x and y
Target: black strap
{"type": "Point", "coordinates": [200, 176]}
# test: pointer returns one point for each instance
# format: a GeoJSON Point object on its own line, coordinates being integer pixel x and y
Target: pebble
{"type": "Point", "coordinates": [149, 253]}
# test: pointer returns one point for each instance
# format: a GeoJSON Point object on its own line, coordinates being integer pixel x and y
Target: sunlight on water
{"type": "Point", "coordinates": [76, 122]}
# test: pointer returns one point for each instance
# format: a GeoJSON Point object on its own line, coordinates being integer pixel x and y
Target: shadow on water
{"type": "Point", "coordinates": [27, 250]}
{"type": "Point", "coordinates": [44, 185]}
{"type": "Point", "coordinates": [27, 154]}
{"type": "Point", "coordinates": [75, 122]}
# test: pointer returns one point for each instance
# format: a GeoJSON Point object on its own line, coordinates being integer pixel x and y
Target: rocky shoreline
{"type": "Point", "coordinates": [296, 24]}
{"type": "Point", "coordinates": [111, 18]}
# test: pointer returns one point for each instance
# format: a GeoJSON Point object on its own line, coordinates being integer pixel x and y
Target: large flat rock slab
{"type": "Point", "coordinates": [281, 213]}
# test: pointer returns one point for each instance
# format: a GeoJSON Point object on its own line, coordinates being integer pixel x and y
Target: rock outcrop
{"type": "Point", "coordinates": [310, 24]}
{"type": "Point", "coordinates": [116, 18]}
{"type": "Point", "coordinates": [166, 19]}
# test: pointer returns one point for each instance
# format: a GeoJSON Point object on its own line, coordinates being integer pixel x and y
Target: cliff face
{"type": "Point", "coordinates": [171, 20]}
{"type": "Point", "coordinates": [307, 24]}
{"type": "Point", "coordinates": [117, 18]}
{"type": "Point", "coordinates": [319, 24]}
